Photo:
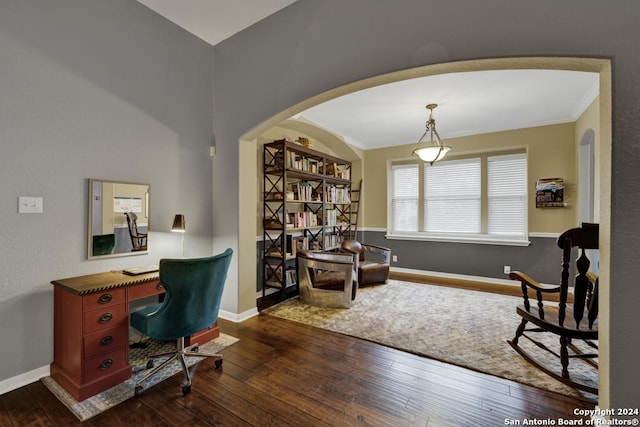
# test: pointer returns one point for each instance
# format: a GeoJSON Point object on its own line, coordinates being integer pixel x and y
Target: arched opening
{"type": "Point", "coordinates": [602, 174]}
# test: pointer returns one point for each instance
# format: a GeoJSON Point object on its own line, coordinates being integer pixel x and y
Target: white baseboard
{"type": "Point", "coordinates": [465, 277]}
{"type": "Point", "coordinates": [22, 380]}
{"type": "Point", "coordinates": [238, 317]}
{"type": "Point", "coordinates": [26, 378]}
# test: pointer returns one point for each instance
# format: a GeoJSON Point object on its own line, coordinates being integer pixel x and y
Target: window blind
{"type": "Point", "coordinates": [507, 194]}
{"type": "Point", "coordinates": [452, 197]}
{"type": "Point", "coordinates": [404, 202]}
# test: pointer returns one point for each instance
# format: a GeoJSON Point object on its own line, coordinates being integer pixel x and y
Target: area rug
{"type": "Point", "coordinates": [138, 358]}
{"type": "Point", "coordinates": [462, 327]}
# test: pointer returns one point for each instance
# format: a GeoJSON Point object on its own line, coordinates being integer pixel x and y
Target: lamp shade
{"type": "Point", "coordinates": [179, 224]}
{"type": "Point", "coordinates": [432, 153]}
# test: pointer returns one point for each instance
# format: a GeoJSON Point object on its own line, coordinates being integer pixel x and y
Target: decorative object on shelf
{"type": "Point", "coordinates": [434, 151]}
{"type": "Point", "coordinates": [550, 193]}
{"type": "Point", "coordinates": [179, 226]}
{"type": "Point", "coordinates": [305, 142]}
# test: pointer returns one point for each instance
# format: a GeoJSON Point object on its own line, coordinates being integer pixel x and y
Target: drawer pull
{"type": "Point", "coordinates": [105, 298]}
{"type": "Point", "coordinates": [108, 340]}
{"type": "Point", "coordinates": [160, 287]}
{"type": "Point", "coordinates": [106, 317]}
{"type": "Point", "coordinates": [106, 364]}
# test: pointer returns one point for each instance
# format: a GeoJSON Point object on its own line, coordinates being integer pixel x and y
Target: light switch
{"type": "Point", "coordinates": [29, 204]}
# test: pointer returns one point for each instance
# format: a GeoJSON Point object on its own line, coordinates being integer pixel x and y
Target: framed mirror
{"type": "Point", "coordinates": [118, 220]}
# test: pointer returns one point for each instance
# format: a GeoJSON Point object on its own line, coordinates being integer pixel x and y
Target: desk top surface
{"type": "Point", "coordinates": [101, 281]}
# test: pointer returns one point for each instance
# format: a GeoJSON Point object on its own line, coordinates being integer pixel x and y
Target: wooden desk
{"type": "Point", "coordinates": [91, 329]}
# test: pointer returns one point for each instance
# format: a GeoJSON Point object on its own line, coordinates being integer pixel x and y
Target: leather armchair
{"type": "Point", "coordinates": [327, 279]}
{"type": "Point", "coordinates": [373, 264]}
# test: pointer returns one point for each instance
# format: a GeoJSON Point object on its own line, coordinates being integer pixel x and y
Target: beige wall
{"type": "Point", "coordinates": [590, 119]}
{"type": "Point", "coordinates": [323, 141]}
{"type": "Point", "coordinates": [551, 153]}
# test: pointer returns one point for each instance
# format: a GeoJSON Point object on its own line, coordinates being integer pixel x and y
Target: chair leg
{"type": "Point", "coordinates": [564, 356]}
{"type": "Point", "coordinates": [179, 354]}
{"type": "Point", "coordinates": [155, 370]}
{"type": "Point", "coordinates": [519, 331]}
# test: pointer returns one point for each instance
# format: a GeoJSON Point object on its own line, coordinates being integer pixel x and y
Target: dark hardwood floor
{"type": "Point", "coordinates": [283, 373]}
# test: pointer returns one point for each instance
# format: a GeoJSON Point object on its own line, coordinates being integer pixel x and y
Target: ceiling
{"type": "Point", "coordinates": [215, 20]}
{"type": "Point", "coordinates": [469, 103]}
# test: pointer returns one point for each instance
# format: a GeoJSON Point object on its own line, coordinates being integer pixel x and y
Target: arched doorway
{"type": "Point", "coordinates": [602, 177]}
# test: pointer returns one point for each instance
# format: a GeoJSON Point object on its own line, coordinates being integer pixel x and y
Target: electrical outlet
{"type": "Point", "coordinates": [395, 258]}
{"type": "Point", "coordinates": [507, 269]}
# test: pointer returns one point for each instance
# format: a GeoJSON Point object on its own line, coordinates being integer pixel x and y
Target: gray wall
{"type": "Point", "coordinates": [313, 46]}
{"type": "Point", "coordinates": [92, 89]}
{"type": "Point", "coordinates": [540, 260]}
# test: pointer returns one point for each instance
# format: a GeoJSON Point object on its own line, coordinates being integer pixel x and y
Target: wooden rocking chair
{"type": "Point", "coordinates": [562, 319]}
{"type": "Point", "coordinates": [138, 240]}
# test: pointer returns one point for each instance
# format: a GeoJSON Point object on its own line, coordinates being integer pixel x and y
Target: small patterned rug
{"type": "Point", "coordinates": [463, 327]}
{"type": "Point", "coordinates": [138, 358]}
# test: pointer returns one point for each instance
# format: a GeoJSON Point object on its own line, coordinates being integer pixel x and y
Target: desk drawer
{"type": "Point", "coordinates": [102, 366]}
{"type": "Point", "coordinates": [104, 341]}
{"type": "Point", "coordinates": [146, 289]}
{"type": "Point", "coordinates": [104, 318]}
{"type": "Point", "coordinates": [103, 299]}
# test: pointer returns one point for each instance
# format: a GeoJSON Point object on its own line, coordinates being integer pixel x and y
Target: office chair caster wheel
{"type": "Point", "coordinates": [218, 363]}
{"type": "Point", "coordinates": [139, 390]}
{"type": "Point", "coordinates": [186, 389]}
{"type": "Point", "coordinates": [150, 364]}
{"type": "Point", "coordinates": [195, 349]}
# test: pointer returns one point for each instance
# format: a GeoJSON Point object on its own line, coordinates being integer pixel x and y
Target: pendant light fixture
{"type": "Point", "coordinates": [434, 151]}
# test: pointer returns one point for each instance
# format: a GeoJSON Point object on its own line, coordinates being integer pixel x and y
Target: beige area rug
{"type": "Point", "coordinates": [462, 327]}
{"type": "Point", "coordinates": [138, 358]}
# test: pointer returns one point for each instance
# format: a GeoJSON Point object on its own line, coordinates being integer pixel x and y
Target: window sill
{"type": "Point", "coordinates": [480, 239]}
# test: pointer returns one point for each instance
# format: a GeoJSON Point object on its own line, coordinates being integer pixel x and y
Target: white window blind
{"type": "Point", "coordinates": [507, 194]}
{"type": "Point", "coordinates": [452, 197]}
{"type": "Point", "coordinates": [405, 198]}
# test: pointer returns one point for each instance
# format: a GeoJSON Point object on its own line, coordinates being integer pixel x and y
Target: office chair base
{"type": "Point", "coordinates": [180, 354]}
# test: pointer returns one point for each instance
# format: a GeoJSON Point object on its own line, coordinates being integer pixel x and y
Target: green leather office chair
{"type": "Point", "coordinates": [104, 244]}
{"type": "Point", "coordinates": [192, 301]}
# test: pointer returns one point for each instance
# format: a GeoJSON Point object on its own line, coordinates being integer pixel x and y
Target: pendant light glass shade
{"type": "Point", "coordinates": [431, 154]}
{"type": "Point", "coordinates": [435, 150]}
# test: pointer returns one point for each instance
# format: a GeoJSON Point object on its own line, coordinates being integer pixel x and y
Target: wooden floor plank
{"type": "Point", "coordinates": [284, 373]}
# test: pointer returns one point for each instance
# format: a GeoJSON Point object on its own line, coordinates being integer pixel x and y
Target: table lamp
{"type": "Point", "coordinates": [179, 226]}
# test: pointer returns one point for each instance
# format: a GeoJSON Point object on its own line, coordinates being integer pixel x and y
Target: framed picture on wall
{"type": "Point", "coordinates": [550, 193]}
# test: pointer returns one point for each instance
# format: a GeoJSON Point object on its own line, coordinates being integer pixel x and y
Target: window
{"type": "Point", "coordinates": [452, 197]}
{"type": "Point", "coordinates": [507, 194]}
{"type": "Point", "coordinates": [481, 199]}
{"type": "Point", "coordinates": [404, 201]}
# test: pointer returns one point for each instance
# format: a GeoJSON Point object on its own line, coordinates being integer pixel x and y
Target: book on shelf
{"type": "Point", "coordinates": [302, 163]}
{"type": "Point", "coordinates": [335, 194]}
{"type": "Point", "coordinates": [314, 165]}
{"type": "Point", "coordinates": [303, 219]}
{"type": "Point", "coordinates": [330, 217]}
{"type": "Point", "coordinates": [296, 244]}
{"type": "Point", "coordinates": [332, 241]}
{"type": "Point", "coordinates": [291, 278]}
